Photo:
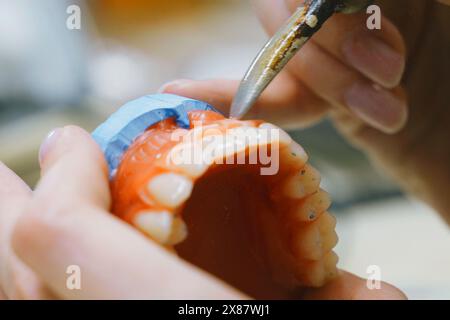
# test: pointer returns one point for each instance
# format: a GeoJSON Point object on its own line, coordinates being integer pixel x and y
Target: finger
{"type": "Point", "coordinates": [341, 85]}
{"type": "Point", "coordinates": [49, 191]}
{"type": "Point", "coordinates": [114, 260]}
{"type": "Point", "coordinates": [286, 102]}
{"type": "Point", "coordinates": [350, 287]}
{"type": "Point", "coordinates": [67, 225]}
{"type": "Point", "coordinates": [272, 14]}
{"type": "Point", "coordinates": [3, 296]}
{"type": "Point", "coordinates": [14, 194]}
{"type": "Point", "coordinates": [74, 171]}
{"type": "Point", "coordinates": [378, 54]}
{"type": "Point", "coordinates": [16, 280]}
{"type": "Point", "coordinates": [383, 109]}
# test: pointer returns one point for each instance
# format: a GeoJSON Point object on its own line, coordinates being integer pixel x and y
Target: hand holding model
{"type": "Point", "coordinates": [68, 221]}
{"type": "Point", "coordinates": [386, 90]}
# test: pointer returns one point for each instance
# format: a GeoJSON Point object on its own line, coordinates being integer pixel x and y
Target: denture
{"type": "Point", "coordinates": [236, 198]}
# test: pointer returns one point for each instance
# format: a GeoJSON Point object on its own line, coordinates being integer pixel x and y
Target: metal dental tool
{"type": "Point", "coordinates": [300, 27]}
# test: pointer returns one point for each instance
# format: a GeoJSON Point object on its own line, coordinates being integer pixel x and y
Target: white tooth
{"type": "Point", "coordinates": [329, 241]}
{"type": "Point", "coordinates": [313, 241]}
{"type": "Point", "coordinates": [330, 265]}
{"type": "Point", "coordinates": [293, 156]}
{"type": "Point", "coordinates": [305, 182]}
{"type": "Point", "coordinates": [294, 188]}
{"type": "Point", "coordinates": [298, 152]}
{"type": "Point", "coordinates": [188, 158]}
{"type": "Point", "coordinates": [307, 242]}
{"type": "Point", "coordinates": [312, 207]}
{"type": "Point", "coordinates": [216, 147]}
{"type": "Point", "coordinates": [179, 232]}
{"type": "Point", "coordinates": [156, 224]}
{"type": "Point", "coordinates": [170, 189]}
{"type": "Point", "coordinates": [327, 224]}
{"type": "Point", "coordinates": [193, 170]}
{"type": "Point", "coordinates": [235, 141]}
{"type": "Point", "coordinates": [242, 137]}
{"type": "Point", "coordinates": [283, 136]}
{"type": "Point", "coordinates": [315, 274]}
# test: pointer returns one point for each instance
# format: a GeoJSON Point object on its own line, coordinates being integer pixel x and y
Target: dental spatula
{"type": "Point", "coordinates": [299, 28]}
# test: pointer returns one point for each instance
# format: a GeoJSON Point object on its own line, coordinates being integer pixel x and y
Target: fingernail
{"type": "Point", "coordinates": [48, 144]}
{"type": "Point", "coordinates": [374, 58]}
{"type": "Point", "coordinates": [377, 107]}
{"type": "Point", "coordinates": [174, 85]}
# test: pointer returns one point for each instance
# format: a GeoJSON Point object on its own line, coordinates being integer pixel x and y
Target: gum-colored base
{"type": "Point", "coordinates": [268, 235]}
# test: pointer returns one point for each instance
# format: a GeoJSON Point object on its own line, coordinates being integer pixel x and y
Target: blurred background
{"type": "Point", "coordinates": [51, 76]}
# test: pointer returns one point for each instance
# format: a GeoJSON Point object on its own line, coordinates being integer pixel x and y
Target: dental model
{"type": "Point", "coordinates": [234, 197]}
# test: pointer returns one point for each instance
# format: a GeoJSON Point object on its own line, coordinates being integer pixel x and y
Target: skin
{"type": "Point", "coordinates": [404, 128]}
{"type": "Point", "coordinates": [66, 222]}
{"type": "Point", "coordinates": [45, 230]}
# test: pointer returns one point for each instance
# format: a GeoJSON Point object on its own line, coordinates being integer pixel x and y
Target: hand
{"type": "Point", "coordinates": [354, 75]}
{"type": "Point", "coordinates": [65, 221]}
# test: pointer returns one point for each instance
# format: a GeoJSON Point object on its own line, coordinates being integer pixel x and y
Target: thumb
{"type": "Point", "coordinates": [73, 169]}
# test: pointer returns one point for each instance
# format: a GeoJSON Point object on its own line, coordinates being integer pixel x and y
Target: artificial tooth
{"type": "Point", "coordinates": [313, 241]}
{"type": "Point", "coordinates": [179, 232]}
{"type": "Point", "coordinates": [307, 242]}
{"type": "Point", "coordinates": [240, 138]}
{"type": "Point", "coordinates": [170, 189]}
{"type": "Point", "coordinates": [216, 148]}
{"type": "Point", "coordinates": [293, 156]}
{"type": "Point", "coordinates": [305, 182]}
{"type": "Point", "coordinates": [298, 152]}
{"type": "Point", "coordinates": [330, 265]}
{"type": "Point", "coordinates": [193, 170]}
{"type": "Point", "coordinates": [311, 273]}
{"type": "Point", "coordinates": [327, 222]}
{"type": "Point", "coordinates": [188, 158]}
{"type": "Point", "coordinates": [317, 273]}
{"type": "Point", "coordinates": [329, 241]}
{"type": "Point", "coordinates": [312, 206]}
{"type": "Point", "coordinates": [156, 224]}
{"type": "Point", "coordinates": [283, 136]}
